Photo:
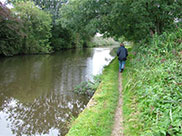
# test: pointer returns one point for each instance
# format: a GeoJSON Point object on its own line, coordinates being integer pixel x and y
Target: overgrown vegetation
{"type": "Point", "coordinates": [97, 118]}
{"type": "Point", "coordinates": [88, 87]}
{"type": "Point", "coordinates": [156, 85]}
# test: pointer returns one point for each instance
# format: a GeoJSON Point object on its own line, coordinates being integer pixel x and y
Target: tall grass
{"type": "Point", "coordinates": [155, 85]}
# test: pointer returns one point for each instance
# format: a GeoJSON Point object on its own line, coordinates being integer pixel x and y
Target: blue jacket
{"type": "Point", "coordinates": [122, 53]}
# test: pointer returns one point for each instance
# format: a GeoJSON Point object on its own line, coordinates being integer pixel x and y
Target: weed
{"type": "Point", "coordinates": [88, 87]}
{"type": "Point", "coordinates": [156, 77]}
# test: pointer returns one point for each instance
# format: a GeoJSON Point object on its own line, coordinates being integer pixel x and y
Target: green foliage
{"type": "Point", "coordinates": [157, 83]}
{"type": "Point", "coordinates": [37, 26]}
{"type": "Point", "coordinates": [132, 123]}
{"type": "Point", "coordinates": [72, 15]}
{"type": "Point", "coordinates": [51, 6]}
{"type": "Point", "coordinates": [61, 38]}
{"type": "Point", "coordinates": [97, 118]}
{"type": "Point", "coordinates": [24, 30]}
{"type": "Point", "coordinates": [11, 35]}
{"type": "Point", "coordinates": [88, 87]}
{"type": "Point", "coordinates": [133, 19]}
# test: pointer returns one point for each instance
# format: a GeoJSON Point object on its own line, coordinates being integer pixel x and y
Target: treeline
{"type": "Point", "coordinates": [41, 26]}
{"type": "Point", "coordinates": [32, 27]}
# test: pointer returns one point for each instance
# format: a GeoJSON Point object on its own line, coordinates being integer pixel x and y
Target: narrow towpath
{"type": "Point", "coordinates": [118, 124]}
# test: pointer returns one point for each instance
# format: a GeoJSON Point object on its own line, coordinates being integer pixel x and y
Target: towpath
{"type": "Point", "coordinates": [118, 124]}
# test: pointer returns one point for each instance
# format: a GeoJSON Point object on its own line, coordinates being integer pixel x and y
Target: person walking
{"type": "Point", "coordinates": [122, 54]}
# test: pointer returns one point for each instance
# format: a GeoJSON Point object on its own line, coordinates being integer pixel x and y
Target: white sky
{"type": "Point", "coordinates": [2, 1]}
{"type": "Point", "coordinates": [9, 5]}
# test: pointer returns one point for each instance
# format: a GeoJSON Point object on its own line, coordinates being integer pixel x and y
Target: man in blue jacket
{"type": "Point", "coordinates": [122, 54]}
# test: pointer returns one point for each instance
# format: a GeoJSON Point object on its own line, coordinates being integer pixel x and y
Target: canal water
{"type": "Point", "coordinates": [36, 91]}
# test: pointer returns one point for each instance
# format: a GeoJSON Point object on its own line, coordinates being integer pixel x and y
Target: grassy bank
{"type": "Point", "coordinates": [153, 87]}
{"type": "Point", "coordinates": [98, 117]}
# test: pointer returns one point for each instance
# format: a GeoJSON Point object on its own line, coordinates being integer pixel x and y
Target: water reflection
{"type": "Point", "coordinates": [36, 95]}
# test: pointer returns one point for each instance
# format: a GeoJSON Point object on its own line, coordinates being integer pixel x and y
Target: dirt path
{"type": "Point", "coordinates": [118, 125]}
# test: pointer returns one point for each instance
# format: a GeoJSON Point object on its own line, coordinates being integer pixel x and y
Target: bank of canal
{"type": "Point", "coordinates": [98, 117]}
{"type": "Point", "coordinates": [36, 96]}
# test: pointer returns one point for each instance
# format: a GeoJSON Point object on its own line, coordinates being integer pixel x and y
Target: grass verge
{"type": "Point", "coordinates": [132, 125]}
{"type": "Point", "coordinates": [97, 119]}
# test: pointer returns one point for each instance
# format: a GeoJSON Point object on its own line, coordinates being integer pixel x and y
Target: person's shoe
{"type": "Point", "coordinates": [121, 71]}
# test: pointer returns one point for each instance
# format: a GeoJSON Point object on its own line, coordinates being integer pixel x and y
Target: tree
{"type": "Point", "coordinates": [37, 26]}
{"type": "Point", "coordinates": [11, 35]}
{"type": "Point", "coordinates": [133, 19]}
{"type": "Point", "coordinates": [51, 6]}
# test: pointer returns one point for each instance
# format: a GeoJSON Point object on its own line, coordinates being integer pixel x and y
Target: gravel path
{"type": "Point", "coordinates": [118, 125]}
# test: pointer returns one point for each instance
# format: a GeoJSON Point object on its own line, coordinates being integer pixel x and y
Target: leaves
{"type": "Point", "coordinates": [11, 34]}
{"type": "Point", "coordinates": [132, 19]}
{"type": "Point", "coordinates": [37, 26]}
{"type": "Point", "coordinates": [159, 97]}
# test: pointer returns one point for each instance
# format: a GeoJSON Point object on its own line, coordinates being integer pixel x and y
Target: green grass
{"type": "Point", "coordinates": [132, 125]}
{"type": "Point", "coordinates": [98, 118]}
{"type": "Point", "coordinates": [153, 87]}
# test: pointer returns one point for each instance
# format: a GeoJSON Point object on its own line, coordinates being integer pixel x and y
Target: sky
{"type": "Point", "coordinates": [2, 1]}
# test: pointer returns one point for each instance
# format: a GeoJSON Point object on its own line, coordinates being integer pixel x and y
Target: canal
{"type": "Point", "coordinates": [36, 91]}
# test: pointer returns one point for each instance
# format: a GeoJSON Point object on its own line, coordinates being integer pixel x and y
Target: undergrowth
{"type": "Point", "coordinates": [88, 87]}
{"type": "Point", "coordinates": [155, 72]}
